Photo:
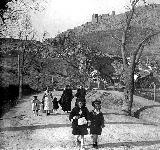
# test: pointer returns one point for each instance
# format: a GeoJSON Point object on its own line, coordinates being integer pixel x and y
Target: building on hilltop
{"type": "Point", "coordinates": [147, 12]}
{"type": "Point", "coordinates": [113, 13]}
{"type": "Point", "coordinates": [97, 18]}
{"type": "Point", "coordinates": [146, 16]}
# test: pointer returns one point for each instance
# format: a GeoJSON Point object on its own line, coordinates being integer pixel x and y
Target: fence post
{"type": "Point", "coordinates": [154, 92]}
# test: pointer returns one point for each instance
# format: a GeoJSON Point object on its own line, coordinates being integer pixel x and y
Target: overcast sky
{"type": "Point", "coordinates": [61, 15]}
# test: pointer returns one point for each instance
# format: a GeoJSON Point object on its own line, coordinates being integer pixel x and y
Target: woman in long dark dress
{"type": "Point", "coordinates": [96, 122]}
{"type": "Point", "coordinates": [79, 117]}
{"type": "Point", "coordinates": [66, 99]}
{"type": "Point", "coordinates": [81, 93]}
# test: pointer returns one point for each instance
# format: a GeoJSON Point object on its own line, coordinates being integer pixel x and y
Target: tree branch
{"type": "Point", "coordinates": [139, 54]}
{"type": "Point", "coordinates": [128, 22]}
{"type": "Point", "coordinates": [143, 42]}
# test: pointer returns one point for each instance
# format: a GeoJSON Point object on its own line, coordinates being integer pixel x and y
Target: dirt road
{"type": "Point", "coordinates": [21, 130]}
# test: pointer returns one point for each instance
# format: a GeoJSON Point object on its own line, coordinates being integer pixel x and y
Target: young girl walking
{"type": "Point", "coordinates": [35, 105]}
{"type": "Point", "coordinates": [48, 105]}
{"type": "Point", "coordinates": [96, 122]}
{"type": "Point", "coordinates": [79, 117]}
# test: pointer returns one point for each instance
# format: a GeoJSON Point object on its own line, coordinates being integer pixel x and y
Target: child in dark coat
{"type": "Point", "coordinates": [55, 105]}
{"type": "Point", "coordinates": [79, 117]}
{"type": "Point", "coordinates": [96, 122]}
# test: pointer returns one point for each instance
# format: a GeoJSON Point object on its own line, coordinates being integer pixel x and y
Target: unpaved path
{"type": "Point", "coordinates": [20, 130]}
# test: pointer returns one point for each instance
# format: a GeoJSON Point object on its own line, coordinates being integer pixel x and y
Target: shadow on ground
{"type": "Point", "coordinates": [34, 127]}
{"type": "Point", "coordinates": [137, 113]}
{"type": "Point", "coordinates": [129, 144]}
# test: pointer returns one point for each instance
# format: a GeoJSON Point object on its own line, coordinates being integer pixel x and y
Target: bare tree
{"type": "Point", "coordinates": [16, 23]}
{"type": "Point", "coordinates": [13, 11]}
{"type": "Point", "coordinates": [129, 68]}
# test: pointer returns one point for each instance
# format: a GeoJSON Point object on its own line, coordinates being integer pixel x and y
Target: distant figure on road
{"type": "Point", "coordinates": [79, 117]}
{"type": "Point", "coordinates": [81, 93]}
{"type": "Point", "coordinates": [66, 98]}
{"type": "Point", "coordinates": [46, 91]}
{"type": "Point", "coordinates": [35, 105]}
{"type": "Point", "coordinates": [55, 105]}
{"type": "Point", "coordinates": [47, 100]}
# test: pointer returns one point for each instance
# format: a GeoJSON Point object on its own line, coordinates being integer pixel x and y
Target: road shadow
{"type": "Point", "coordinates": [137, 113]}
{"type": "Point", "coordinates": [59, 114]}
{"type": "Point", "coordinates": [34, 127]}
{"type": "Point", "coordinates": [42, 114]}
{"type": "Point", "coordinates": [114, 113]}
{"type": "Point", "coordinates": [129, 144]}
{"type": "Point", "coordinates": [132, 123]}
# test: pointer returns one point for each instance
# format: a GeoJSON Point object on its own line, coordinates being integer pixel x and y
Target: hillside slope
{"type": "Point", "coordinates": [99, 33]}
{"type": "Point", "coordinates": [146, 16]}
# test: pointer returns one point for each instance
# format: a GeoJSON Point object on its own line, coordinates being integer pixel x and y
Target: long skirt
{"type": "Point", "coordinates": [66, 105]}
{"type": "Point", "coordinates": [79, 130]}
{"type": "Point", "coordinates": [48, 105]}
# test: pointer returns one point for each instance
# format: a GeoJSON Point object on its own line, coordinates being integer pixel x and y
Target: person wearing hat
{"type": "Point", "coordinates": [96, 122]}
{"type": "Point", "coordinates": [35, 105]}
{"type": "Point", "coordinates": [79, 117]}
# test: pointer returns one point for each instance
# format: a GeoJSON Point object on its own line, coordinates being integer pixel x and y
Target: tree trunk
{"type": "Point", "coordinates": [19, 78]}
{"type": "Point", "coordinates": [128, 91]}
{"type": "Point", "coordinates": [20, 71]}
{"type": "Point", "coordinates": [20, 85]}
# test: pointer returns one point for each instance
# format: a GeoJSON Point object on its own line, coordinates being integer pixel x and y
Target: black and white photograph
{"type": "Point", "coordinates": [79, 74]}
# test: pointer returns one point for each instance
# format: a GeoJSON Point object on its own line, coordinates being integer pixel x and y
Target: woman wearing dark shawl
{"type": "Point", "coordinates": [66, 98]}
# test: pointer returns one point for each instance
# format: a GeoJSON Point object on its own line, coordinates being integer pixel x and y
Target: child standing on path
{"type": "Point", "coordinates": [55, 105]}
{"type": "Point", "coordinates": [35, 105]}
{"type": "Point", "coordinates": [96, 122]}
{"type": "Point", "coordinates": [79, 117]}
{"type": "Point", "coordinates": [48, 105]}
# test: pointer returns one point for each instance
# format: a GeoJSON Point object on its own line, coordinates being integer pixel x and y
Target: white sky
{"type": "Point", "coordinates": [61, 15]}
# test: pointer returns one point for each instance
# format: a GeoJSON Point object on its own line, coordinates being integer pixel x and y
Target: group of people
{"type": "Point", "coordinates": [47, 104]}
{"type": "Point", "coordinates": [67, 96]}
{"type": "Point", "coordinates": [50, 104]}
{"type": "Point", "coordinates": [80, 117]}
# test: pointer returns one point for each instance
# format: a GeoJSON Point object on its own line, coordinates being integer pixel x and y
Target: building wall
{"type": "Point", "coordinates": [95, 18]}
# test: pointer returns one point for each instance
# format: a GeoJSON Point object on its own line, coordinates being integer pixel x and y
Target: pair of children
{"type": "Point", "coordinates": [37, 105]}
{"type": "Point", "coordinates": [81, 119]}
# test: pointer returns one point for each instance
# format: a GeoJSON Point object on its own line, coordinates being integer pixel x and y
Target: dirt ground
{"type": "Point", "coordinates": [21, 130]}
